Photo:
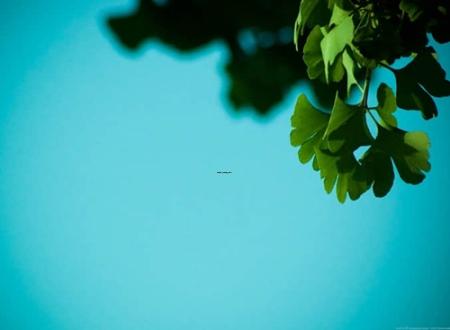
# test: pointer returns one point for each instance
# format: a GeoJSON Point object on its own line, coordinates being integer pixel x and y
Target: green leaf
{"type": "Point", "coordinates": [306, 152]}
{"type": "Point", "coordinates": [408, 150]}
{"type": "Point", "coordinates": [347, 128]}
{"type": "Point", "coordinates": [420, 78]}
{"type": "Point", "coordinates": [386, 104]}
{"type": "Point", "coordinates": [340, 114]}
{"type": "Point", "coordinates": [338, 15]}
{"type": "Point", "coordinates": [335, 41]}
{"type": "Point", "coordinates": [346, 131]}
{"type": "Point", "coordinates": [308, 127]}
{"type": "Point", "coordinates": [342, 171]}
{"type": "Point", "coordinates": [311, 13]}
{"type": "Point", "coordinates": [429, 73]}
{"type": "Point", "coordinates": [328, 168]}
{"type": "Point", "coordinates": [349, 67]}
{"type": "Point", "coordinates": [411, 96]}
{"type": "Point", "coordinates": [312, 54]}
{"type": "Point", "coordinates": [378, 167]}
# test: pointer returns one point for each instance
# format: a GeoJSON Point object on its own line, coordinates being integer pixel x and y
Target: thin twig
{"type": "Point", "coordinates": [365, 95]}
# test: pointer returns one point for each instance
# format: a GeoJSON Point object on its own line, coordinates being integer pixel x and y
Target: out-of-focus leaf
{"type": "Point", "coordinates": [412, 9]}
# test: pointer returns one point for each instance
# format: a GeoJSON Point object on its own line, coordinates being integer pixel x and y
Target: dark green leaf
{"type": "Point", "coordinates": [430, 74]}
{"type": "Point", "coordinates": [347, 129]}
{"type": "Point", "coordinates": [412, 9]}
{"type": "Point", "coordinates": [312, 54]}
{"type": "Point", "coordinates": [386, 104]}
{"type": "Point", "coordinates": [338, 15]}
{"type": "Point", "coordinates": [378, 166]}
{"type": "Point", "coordinates": [311, 13]}
{"type": "Point", "coordinates": [420, 78]}
{"type": "Point", "coordinates": [409, 151]}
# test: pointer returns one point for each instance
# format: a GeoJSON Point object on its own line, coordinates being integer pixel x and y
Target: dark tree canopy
{"type": "Point", "coordinates": [263, 63]}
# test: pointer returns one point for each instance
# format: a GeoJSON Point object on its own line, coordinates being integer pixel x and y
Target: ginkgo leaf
{"type": "Point", "coordinates": [352, 180]}
{"type": "Point", "coordinates": [349, 67]}
{"type": "Point", "coordinates": [335, 50]}
{"type": "Point", "coordinates": [420, 78]}
{"type": "Point", "coordinates": [408, 150]}
{"type": "Point", "coordinates": [327, 165]}
{"type": "Point", "coordinates": [338, 15]}
{"type": "Point", "coordinates": [335, 41]}
{"type": "Point", "coordinates": [429, 73]}
{"type": "Point", "coordinates": [310, 14]}
{"type": "Point", "coordinates": [342, 171]}
{"type": "Point", "coordinates": [347, 128]}
{"type": "Point", "coordinates": [306, 152]}
{"type": "Point", "coordinates": [308, 127]}
{"type": "Point", "coordinates": [386, 104]}
{"type": "Point", "coordinates": [378, 167]}
{"type": "Point", "coordinates": [312, 54]}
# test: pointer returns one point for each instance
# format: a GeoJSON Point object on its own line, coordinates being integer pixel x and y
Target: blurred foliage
{"type": "Point", "coordinates": [263, 64]}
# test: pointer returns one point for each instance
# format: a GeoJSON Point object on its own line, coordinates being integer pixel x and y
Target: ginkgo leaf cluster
{"type": "Point", "coordinates": [346, 41]}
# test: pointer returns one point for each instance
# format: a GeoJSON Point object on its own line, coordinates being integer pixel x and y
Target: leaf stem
{"type": "Point", "coordinates": [373, 117]}
{"type": "Point", "coordinates": [386, 66]}
{"type": "Point", "coordinates": [365, 96]}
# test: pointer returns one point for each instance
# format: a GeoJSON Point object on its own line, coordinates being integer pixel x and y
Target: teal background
{"type": "Point", "coordinates": [112, 215]}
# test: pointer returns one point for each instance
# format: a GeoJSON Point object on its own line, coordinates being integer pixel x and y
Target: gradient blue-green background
{"type": "Point", "coordinates": [112, 215]}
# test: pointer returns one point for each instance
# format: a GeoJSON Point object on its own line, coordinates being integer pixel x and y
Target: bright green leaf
{"type": "Point", "coordinates": [420, 78]}
{"type": "Point", "coordinates": [349, 67]}
{"type": "Point", "coordinates": [335, 41]}
{"type": "Point", "coordinates": [338, 15]}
